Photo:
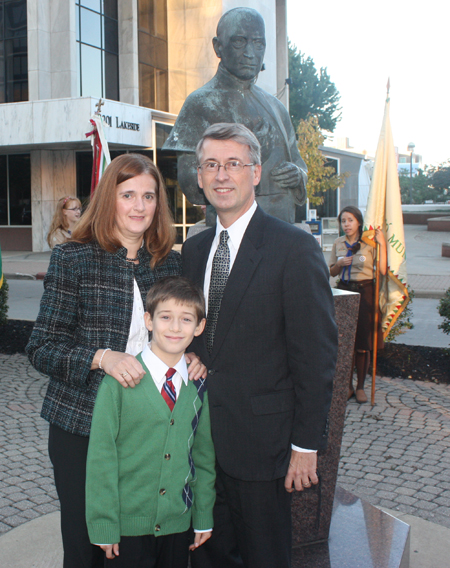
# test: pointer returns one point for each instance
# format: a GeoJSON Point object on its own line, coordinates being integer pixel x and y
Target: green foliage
{"type": "Point", "coordinates": [321, 178]}
{"type": "Point", "coordinates": [403, 322]}
{"type": "Point", "coordinates": [422, 190]}
{"type": "Point", "coordinates": [439, 177]}
{"type": "Point", "coordinates": [311, 92]}
{"type": "Point", "coordinates": [4, 302]}
{"type": "Point", "coordinates": [444, 311]}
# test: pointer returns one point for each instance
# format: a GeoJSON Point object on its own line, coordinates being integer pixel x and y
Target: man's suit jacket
{"type": "Point", "coordinates": [273, 361]}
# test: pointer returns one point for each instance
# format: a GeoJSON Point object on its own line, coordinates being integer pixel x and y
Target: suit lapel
{"type": "Point", "coordinates": [240, 277]}
{"type": "Point", "coordinates": [201, 258]}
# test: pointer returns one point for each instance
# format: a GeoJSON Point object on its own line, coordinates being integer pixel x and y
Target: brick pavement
{"type": "Point", "coordinates": [26, 479]}
{"type": "Point", "coordinates": [396, 455]}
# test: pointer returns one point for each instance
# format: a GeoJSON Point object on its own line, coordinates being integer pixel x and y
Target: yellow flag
{"type": "Point", "coordinates": [384, 210]}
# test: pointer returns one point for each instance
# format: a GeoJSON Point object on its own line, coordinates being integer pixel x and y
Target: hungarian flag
{"type": "Point", "coordinates": [384, 210]}
{"type": "Point", "coordinates": [100, 151]}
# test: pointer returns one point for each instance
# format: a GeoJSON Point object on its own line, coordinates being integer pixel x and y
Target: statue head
{"type": "Point", "coordinates": [241, 42]}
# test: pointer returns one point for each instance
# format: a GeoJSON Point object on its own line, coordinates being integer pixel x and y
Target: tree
{"type": "Point", "coordinates": [311, 93]}
{"type": "Point", "coordinates": [421, 187]}
{"type": "Point", "coordinates": [321, 178]}
{"type": "Point", "coordinates": [439, 178]}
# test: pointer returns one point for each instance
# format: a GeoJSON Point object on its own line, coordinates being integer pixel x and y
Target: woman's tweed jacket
{"type": "Point", "coordinates": [87, 305]}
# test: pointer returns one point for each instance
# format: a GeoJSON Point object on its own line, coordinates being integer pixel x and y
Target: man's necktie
{"type": "Point", "coordinates": [168, 390]}
{"type": "Point", "coordinates": [219, 275]}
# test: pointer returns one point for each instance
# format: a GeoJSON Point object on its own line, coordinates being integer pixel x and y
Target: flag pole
{"type": "Point", "coordinates": [375, 322]}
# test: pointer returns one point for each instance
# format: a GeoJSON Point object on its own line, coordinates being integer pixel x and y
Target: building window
{"type": "Point", "coordinates": [15, 190]}
{"type": "Point", "coordinates": [13, 51]}
{"type": "Point", "coordinates": [153, 54]}
{"type": "Point", "coordinates": [184, 213]}
{"type": "Point", "coordinates": [97, 48]}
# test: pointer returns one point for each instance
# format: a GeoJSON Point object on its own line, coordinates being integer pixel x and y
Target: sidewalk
{"type": "Point", "coordinates": [395, 455]}
{"type": "Point", "coordinates": [428, 271]}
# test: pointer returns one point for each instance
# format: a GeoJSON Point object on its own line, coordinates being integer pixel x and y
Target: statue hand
{"type": "Point", "coordinates": [287, 175]}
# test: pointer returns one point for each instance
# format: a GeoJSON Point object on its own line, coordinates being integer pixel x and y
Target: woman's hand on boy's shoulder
{"type": "Point", "coordinates": [200, 538]}
{"type": "Point", "coordinates": [196, 368]}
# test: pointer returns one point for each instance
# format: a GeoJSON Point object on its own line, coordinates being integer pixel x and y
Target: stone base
{"type": "Point", "coordinates": [438, 224]}
{"type": "Point", "coordinates": [361, 536]}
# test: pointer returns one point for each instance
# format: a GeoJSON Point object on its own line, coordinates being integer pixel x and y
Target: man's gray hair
{"type": "Point", "coordinates": [231, 131]}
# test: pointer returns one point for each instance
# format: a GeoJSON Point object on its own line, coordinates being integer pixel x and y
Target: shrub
{"type": "Point", "coordinates": [444, 311]}
{"type": "Point", "coordinates": [4, 302]}
{"type": "Point", "coordinates": [403, 322]}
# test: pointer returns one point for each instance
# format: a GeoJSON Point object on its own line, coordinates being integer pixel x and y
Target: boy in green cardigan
{"type": "Point", "coordinates": [151, 461]}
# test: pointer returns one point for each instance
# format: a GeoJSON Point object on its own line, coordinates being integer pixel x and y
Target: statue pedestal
{"type": "Point", "coordinates": [331, 527]}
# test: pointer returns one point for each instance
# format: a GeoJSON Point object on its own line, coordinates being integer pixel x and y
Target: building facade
{"type": "Point", "coordinates": [142, 57]}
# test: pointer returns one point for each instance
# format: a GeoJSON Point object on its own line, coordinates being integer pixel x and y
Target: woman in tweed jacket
{"type": "Point", "coordinates": [91, 322]}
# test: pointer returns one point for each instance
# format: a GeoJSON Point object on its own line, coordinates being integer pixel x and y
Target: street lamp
{"type": "Point", "coordinates": [411, 147]}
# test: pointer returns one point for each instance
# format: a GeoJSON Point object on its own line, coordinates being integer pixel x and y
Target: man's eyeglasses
{"type": "Point", "coordinates": [232, 167]}
{"type": "Point", "coordinates": [73, 209]}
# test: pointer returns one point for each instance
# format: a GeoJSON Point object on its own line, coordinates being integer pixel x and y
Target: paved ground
{"type": "Point", "coordinates": [395, 455]}
{"type": "Point", "coordinates": [26, 479]}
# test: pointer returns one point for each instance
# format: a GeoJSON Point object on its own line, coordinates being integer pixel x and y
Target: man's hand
{"type": "Point", "coordinates": [200, 538]}
{"type": "Point", "coordinates": [302, 471]}
{"type": "Point", "coordinates": [287, 175]}
{"type": "Point", "coordinates": [111, 550]}
{"type": "Point", "coordinates": [196, 369]}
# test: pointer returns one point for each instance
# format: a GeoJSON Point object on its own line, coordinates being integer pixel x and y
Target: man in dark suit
{"type": "Point", "coordinates": [270, 346]}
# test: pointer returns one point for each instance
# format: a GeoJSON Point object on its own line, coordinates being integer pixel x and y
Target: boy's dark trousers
{"type": "Point", "coordinates": [169, 551]}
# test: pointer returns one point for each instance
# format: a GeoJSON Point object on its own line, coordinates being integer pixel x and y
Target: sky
{"type": "Point", "coordinates": [362, 44]}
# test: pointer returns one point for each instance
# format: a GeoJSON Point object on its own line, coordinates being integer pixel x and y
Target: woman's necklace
{"type": "Point", "coordinates": [132, 259]}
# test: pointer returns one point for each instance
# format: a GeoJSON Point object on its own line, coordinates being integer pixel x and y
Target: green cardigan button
{"type": "Point", "coordinates": [172, 422]}
{"type": "Point", "coordinates": [167, 457]}
{"type": "Point", "coordinates": [162, 491]}
{"type": "Point", "coordinates": [157, 528]}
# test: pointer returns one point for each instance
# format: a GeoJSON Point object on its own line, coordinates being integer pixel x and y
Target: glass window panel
{"type": "Point", "coordinates": [15, 15]}
{"type": "Point", "coordinates": [90, 28]}
{"type": "Point", "coordinates": [179, 237]}
{"type": "Point", "coordinates": [92, 4]}
{"type": "Point", "coordinates": [162, 98]}
{"type": "Point", "coordinates": [162, 132]}
{"type": "Point", "coordinates": [111, 41]}
{"type": "Point", "coordinates": [1, 20]}
{"type": "Point", "coordinates": [91, 72]}
{"type": "Point", "coordinates": [3, 192]}
{"type": "Point", "coordinates": [160, 54]}
{"type": "Point", "coordinates": [160, 18]}
{"type": "Point", "coordinates": [111, 63]}
{"type": "Point", "coordinates": [84, 172]}
{"type": "Point", "coordinates": [146, 49]}
{"type": "Point", "coordinates": [110, 8]}
{"type": "Point", "coordinates": [78, 68]}
{"type": "Point", "coordinates": [145, 8]}
{"type": "Point", "coordinates": [146, 86]}
{"type": "Point", "coordinates": [2, 72]}
{"type": "Point", "coordinates": [20, 190]}
{"type": "Point", "coordinates": [77, 23]}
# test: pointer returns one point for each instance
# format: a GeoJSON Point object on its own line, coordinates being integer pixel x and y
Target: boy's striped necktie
{"type": "Point", "coordinates": [168, 391]}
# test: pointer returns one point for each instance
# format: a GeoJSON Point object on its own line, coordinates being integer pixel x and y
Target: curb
{"type": "Point", "coordinates": [430, 294]}
{"type": "Point", "coordinates": [19, 276]}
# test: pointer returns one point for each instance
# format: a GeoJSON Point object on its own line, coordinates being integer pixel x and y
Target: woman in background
{"type": "Point", "coordinates": [353, 260]}
{"type": "Point", "coordinates": [68, 211]}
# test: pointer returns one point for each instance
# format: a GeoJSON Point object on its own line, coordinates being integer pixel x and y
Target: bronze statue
{"type": "Point", "coordinates": [232, 96]}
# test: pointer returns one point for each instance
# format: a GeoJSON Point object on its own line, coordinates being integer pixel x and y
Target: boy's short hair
{"type": "Point", "coordinates": [179, 289]}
